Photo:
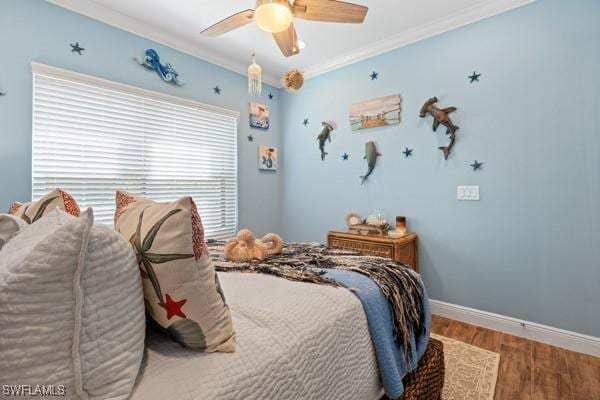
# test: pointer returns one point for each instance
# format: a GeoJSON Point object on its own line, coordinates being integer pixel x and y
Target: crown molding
{"type": "Point", "coordinates": [133, 25]}
{"type": "Point", "coordinates": [476, 13]}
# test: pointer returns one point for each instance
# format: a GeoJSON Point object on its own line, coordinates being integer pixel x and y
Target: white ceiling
{"type": "Point", "coordinates": [389, 24]}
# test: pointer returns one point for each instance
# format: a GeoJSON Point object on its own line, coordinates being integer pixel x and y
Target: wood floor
{"type": "Point", "coordinates": [530, 370]}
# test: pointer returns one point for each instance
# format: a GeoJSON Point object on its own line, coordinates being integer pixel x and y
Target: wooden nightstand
{"type": "Point", "coordinates": [403, 249]}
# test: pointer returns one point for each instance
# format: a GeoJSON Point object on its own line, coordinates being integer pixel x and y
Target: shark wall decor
{"type": "Point", "coordinates": [440, 116]}
{"type": "Point", "coordinates": [324, 136]}
{"type": "Point", "coordinates": [151, 60]}
{"type": "Point", "coordinates": [371, 155]}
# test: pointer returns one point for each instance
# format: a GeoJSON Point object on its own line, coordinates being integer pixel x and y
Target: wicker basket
{"type": "Point", "coordinates": [427, 380]}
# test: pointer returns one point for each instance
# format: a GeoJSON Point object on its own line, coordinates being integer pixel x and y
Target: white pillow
{"type": "Point", "coordinates": [71, 308]}
{"type": "Point", "coordinates": [9, 227]}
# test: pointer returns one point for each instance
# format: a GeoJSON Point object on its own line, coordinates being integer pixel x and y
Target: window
{"type": "Point", "coordinates": [92, 137]}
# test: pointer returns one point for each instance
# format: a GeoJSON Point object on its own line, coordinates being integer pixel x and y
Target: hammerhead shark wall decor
{"type": "Point", "coordinates": [324, 136]}
{"type": "Point", "coordinates": [440, 116]}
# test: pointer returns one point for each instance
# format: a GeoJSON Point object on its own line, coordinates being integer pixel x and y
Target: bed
{"type": "Point", "coordinates": [294, 341]}
{"type": "Point", "coordinates": [311, 323]}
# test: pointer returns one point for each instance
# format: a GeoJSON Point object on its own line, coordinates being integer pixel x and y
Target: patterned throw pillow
{"type": "Point", "coordinates": [32, 211]}
{"type": "Point", "coordinates": [181, 288]}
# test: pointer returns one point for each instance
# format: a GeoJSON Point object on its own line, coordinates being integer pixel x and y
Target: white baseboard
{"type": "Point", "coordinates": [530, 330]}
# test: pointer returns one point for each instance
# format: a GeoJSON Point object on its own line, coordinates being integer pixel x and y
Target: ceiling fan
{"type": "Point", "coordinates": [275, 16]}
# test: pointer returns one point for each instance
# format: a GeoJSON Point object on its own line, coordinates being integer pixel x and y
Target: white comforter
{"type": "Point", "coordinates": [294, 341]}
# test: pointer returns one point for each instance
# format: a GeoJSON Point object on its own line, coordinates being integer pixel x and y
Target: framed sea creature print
{"type": "Point", "coordinates": [259, 115]}
{"type": "Point", "coordinates": [376, 112]}
{"type": "Point", "coordinates": [267, 158]}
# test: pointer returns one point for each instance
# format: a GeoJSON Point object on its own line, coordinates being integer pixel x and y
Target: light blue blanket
{"type": "Point", "coordinates": [392, 367]}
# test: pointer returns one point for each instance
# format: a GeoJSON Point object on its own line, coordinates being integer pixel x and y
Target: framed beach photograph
{"type": "Point", "coordinates": [267, 158]}
{"type": "Point", "coordinates": [376, 112]}
{"type": "Point", "coordinates": [259, 115]}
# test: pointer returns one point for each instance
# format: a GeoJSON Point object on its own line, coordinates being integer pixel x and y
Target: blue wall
{"type": "Point", "coordinates": [531, 247]}
{"type": "Point", "coordinates": [34, 30]}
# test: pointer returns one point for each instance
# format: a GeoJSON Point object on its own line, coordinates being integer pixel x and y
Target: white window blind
{"type": "Point", "coordinates": [92, 137]}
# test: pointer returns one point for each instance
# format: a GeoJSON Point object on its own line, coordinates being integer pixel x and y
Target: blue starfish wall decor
{"type": "Point", "coordinates": [217, 90]}
{"type": "Point", "coordinates": [476, 165]}
{"type": "Point", "coordinates": [75, 48]}
{"type": "Point", "coordinates": [474, 77]}
{"type": "Point", "coordinates": [408, 152]}
{"type": "Point", "coordinates": [270, 96]}
{"type": "Point", "coordinates": [345, 156]}
{"type": "Point", "coordinates": [250, 138]}
{"type": "Point", "coordinates": [305, 122]}
{"type": "Point", "coordinates": [152, 61]}
{"type": "Point", "coordinates": [374, 75]}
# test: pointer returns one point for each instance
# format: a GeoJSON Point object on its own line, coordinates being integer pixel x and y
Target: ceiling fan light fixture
{"type": "Point", "coordinates": [273, 15]}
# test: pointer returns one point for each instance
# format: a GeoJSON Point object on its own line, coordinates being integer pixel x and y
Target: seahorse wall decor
{"type": "Point", "coordinates": [440, 116]}
{"type": "Point", "coordinates": [324, 136]}
{"type": "Point", "coordinates": [151, 60]}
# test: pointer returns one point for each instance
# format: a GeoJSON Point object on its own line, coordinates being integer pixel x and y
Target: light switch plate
{"type": "Point", "coordinates": [467, 193]}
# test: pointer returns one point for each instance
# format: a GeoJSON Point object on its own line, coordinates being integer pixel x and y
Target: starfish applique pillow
{"type": "Point", "coordinates": [181, 288]}
{"type": "Point", "coordinates": [32, 211]}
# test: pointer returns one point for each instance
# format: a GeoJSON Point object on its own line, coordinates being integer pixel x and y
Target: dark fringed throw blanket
{"type": "Point", "coordinates": [307, 262]}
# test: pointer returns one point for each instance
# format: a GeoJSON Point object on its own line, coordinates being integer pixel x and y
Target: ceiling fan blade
{"type": "Point", "coordinates": [287, 41]}
{"type": "Point", "coordinates": [329, 11]}
{"type": "Point", "coordinates": [230, 23]}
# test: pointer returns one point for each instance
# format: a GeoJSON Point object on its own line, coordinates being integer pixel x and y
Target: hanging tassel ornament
{"type": "Point", "coordinates": [254, 77]}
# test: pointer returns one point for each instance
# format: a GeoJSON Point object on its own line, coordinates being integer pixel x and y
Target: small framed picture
{"type": "Point", "coordinates": [259, 115]}
{"type": "Point", "coordinates": [376, 112]}
{"type": "Point", "coordinates": [267, 158]}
